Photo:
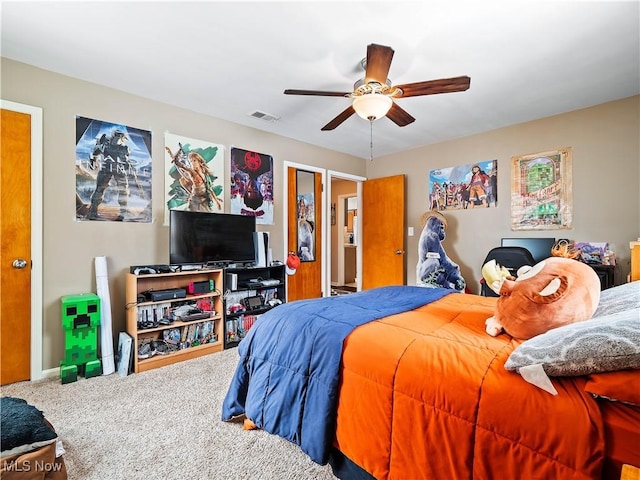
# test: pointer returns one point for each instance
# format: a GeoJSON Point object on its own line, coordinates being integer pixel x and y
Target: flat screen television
{"type": "Point", "coordinates": [540, 248]}
{"type": "Point", "coordinates": [210, 238]}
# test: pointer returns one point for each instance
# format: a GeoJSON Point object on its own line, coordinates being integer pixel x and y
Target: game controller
{"type": "Point", "coordinates": [151, 269]}
{"type": "Point", "coordinates": [144, 271]}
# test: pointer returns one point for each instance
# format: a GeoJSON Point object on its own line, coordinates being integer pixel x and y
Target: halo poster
{"type": "Point", "coordinates": [113, 172]}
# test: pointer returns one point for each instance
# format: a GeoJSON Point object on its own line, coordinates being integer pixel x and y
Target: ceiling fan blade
{"type": "Point", "coordinates": [378, 63]}
{"type": "Point", "coordinates": [432, 87]}
{"type": "Point", "coordinates": [399, 116]}
{"type": "Point", "coordinates": [339, 119]}
{"type": "Point", "coordinates": [319, 93]}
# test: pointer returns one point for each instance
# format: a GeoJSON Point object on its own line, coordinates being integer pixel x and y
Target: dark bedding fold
{"type": "Point", "coordinates": [287, 377]}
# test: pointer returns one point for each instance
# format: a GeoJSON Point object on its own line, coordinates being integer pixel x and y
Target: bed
{"type": "Point", "coordinates": [403, 382]}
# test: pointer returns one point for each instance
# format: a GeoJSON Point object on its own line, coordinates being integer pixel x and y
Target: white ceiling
{"type": "Point", "coordinates": [526, 60]}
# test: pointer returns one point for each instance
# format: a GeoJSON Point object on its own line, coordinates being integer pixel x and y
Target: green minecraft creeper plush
{"type": "Point", "coordinates": [80, 321]}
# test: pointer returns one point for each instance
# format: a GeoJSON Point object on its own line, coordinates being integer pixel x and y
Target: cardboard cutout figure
{"type": "Point", "coordinates": [435, 269]}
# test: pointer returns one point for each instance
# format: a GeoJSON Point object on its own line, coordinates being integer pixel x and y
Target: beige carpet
{"type": "Point", "coordinates": [162, 424]}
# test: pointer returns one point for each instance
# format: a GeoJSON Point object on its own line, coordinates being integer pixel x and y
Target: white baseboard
{"type": "Point", "coordinates": [51, 373]}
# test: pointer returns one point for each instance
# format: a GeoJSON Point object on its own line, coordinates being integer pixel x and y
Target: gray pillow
{"type": "Point", "coordinates": [618, 299]}
{"type": "Point", "coordinates": [601, 344]}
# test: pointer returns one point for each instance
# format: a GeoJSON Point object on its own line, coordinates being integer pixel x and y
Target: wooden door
{"type": "Point", "coordinates": [383, 227]}
{"type": "Point", "coordinates": [307, 281]}
{"type": "Point", "coordinates": [15, 234]}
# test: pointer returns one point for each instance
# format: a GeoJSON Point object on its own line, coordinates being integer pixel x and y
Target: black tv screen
{"type": "Point", "coordinates": [210, 238]}
{"type": "Point", "coordinates": [540, 248]}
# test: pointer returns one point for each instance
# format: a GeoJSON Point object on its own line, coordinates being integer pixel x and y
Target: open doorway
{"type": "Point", "coordinates": [344, 254]}
{"type": "Point", "coordinates": [344, 278]}
{"type": "Point", "coordinates": [381, 262]}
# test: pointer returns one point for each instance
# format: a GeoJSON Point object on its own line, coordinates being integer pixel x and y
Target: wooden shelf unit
{"type": "Point", "coordinates": [139, 284]}
{"type": "Point", "coordinates": [235, 329]}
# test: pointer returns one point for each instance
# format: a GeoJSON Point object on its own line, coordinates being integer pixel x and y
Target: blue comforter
{"type": "Point", "coordinates": [287, 378]}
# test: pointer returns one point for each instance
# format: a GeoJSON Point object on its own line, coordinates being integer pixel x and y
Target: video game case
{"type": "Point", "coordinates": [125, 357]}
{"type": "Point", "coordinates": [171, 336]}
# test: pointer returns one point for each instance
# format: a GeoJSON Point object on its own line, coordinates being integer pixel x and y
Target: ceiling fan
{"type": "Point", "coordinates": [373, 96]}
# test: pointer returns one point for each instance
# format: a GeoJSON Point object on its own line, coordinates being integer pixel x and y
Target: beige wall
{"type": "Point", "coordinates": [69, 246]}
{"type": "Point", "coordinates": [606, 183]}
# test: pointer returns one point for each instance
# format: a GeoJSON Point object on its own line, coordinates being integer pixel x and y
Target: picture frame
{"type": "Point", "coordinates": [541, 190]}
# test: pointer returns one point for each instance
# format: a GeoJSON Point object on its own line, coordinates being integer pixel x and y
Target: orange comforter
{"type": "Point", "coordinates": [425, 395]}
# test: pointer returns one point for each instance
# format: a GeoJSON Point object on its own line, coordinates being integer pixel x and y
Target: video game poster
{"type": "Point", "coordinates": [251, 189]}
{"type": "Point", "coordinates": [194, 175]}
{"type": "Point", "coordinates": [113, 172]}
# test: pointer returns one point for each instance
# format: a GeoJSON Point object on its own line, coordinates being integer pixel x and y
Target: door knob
{"type": "Point", "coordinates": [19, 263]}
{"type": "Point", "coordinates": [399, 252]}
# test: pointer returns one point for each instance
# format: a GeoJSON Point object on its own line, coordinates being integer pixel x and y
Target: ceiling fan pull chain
{"type": "Point", "coordinates": [371, 143]}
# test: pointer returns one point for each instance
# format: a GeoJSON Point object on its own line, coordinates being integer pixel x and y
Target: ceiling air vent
{"type": "Point", "coordinates": [267, 117]}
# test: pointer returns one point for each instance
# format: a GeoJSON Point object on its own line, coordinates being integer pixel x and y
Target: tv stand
{"type": "Point", "coordinates": [189, 335]}
{"type": "Point", "coordinates": [263, 288]}
{"type": "Point", "coordinates": [606, 274]}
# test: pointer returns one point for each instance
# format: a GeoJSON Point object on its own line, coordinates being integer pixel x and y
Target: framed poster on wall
{"type": "Point", "coordinates": [541, 192]}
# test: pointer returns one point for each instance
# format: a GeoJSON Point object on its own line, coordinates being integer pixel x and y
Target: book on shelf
{"type": "Point", "coordinates": [125, 353]}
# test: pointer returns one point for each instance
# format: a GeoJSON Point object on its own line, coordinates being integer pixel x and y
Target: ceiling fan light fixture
{"type": "Point", "coordinates": [372, 106]}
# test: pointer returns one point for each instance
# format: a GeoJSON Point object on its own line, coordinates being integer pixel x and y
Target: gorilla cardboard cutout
{"type": "Point", "coordinates": [435, 269]}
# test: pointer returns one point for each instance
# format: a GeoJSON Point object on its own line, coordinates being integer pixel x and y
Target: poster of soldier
{"type": "Point", "coordinates": [194, 178]}
{"type": "Point", "coordinates": [113, 172]}
{"type": "Point", "coordinates": [474, 185]}
{"type": "Point", "coordinates": [541, 191]}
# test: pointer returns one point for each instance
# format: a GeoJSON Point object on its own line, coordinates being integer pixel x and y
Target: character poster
{"type": "Point", "coordinates": [306, 213]}
{"type": "Point", "coordinates": [473, 185]}
{"type": "Point", "coordinates": [541, 191]}
{"type": "Point", "coordinates": [194, 177]}
{"type": "Point", "coordinates": [251, 188]}
{"type": "Point", "coordinates": [113, 172]}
